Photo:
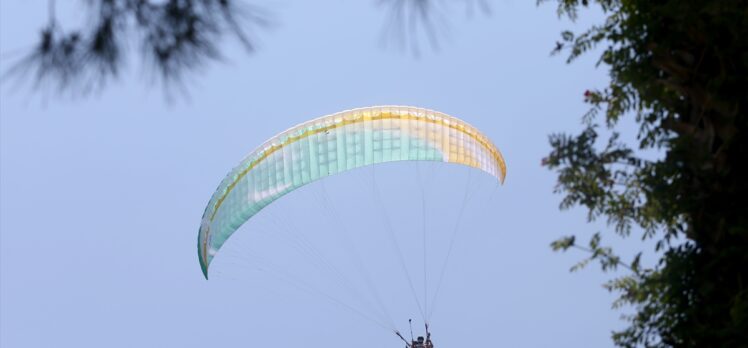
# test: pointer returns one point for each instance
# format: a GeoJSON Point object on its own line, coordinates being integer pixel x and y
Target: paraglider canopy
{"type": "Point", "coordinates": [333, 144]}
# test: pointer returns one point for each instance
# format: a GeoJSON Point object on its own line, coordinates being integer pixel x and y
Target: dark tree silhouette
{"type": "Point", "coordinates": [174, 37]}
{"type": "Point", "coordinates": [177, 37]}
{"type": "Point", "coordinates": [680, 67]}
{"type": "Point", "coordinates": [410, 21]}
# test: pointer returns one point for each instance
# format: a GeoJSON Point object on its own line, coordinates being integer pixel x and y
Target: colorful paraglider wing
{"type": "Point", "coordinates": [333, 144]}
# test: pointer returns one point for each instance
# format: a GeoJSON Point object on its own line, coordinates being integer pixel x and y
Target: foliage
{"type": "Point", "coordinates": [178, 37]}
{"type": "Point", "coordinates": [174, 37]}
{"type": "Point", "coordinates": [410, 20]}
{"type": "Point", "coordinates": [680, 67]}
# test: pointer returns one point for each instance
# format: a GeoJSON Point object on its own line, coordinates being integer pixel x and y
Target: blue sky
{"type": "Point", "coordinates": [101, 198]}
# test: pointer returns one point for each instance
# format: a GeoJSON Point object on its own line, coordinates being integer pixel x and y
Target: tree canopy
{"type": "Point", "coordinates": [176, 38]}
{"type": "Point", "coordinates": [680, 68]}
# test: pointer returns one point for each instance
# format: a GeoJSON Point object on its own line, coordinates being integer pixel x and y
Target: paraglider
{"type": "Point", "coordinates": [334, 144]}
{"type": "Point", "coordinates": [419, 342]}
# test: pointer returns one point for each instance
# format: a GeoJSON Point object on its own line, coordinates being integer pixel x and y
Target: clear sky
{"type": "Point", "coordinates": [101, 198]}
